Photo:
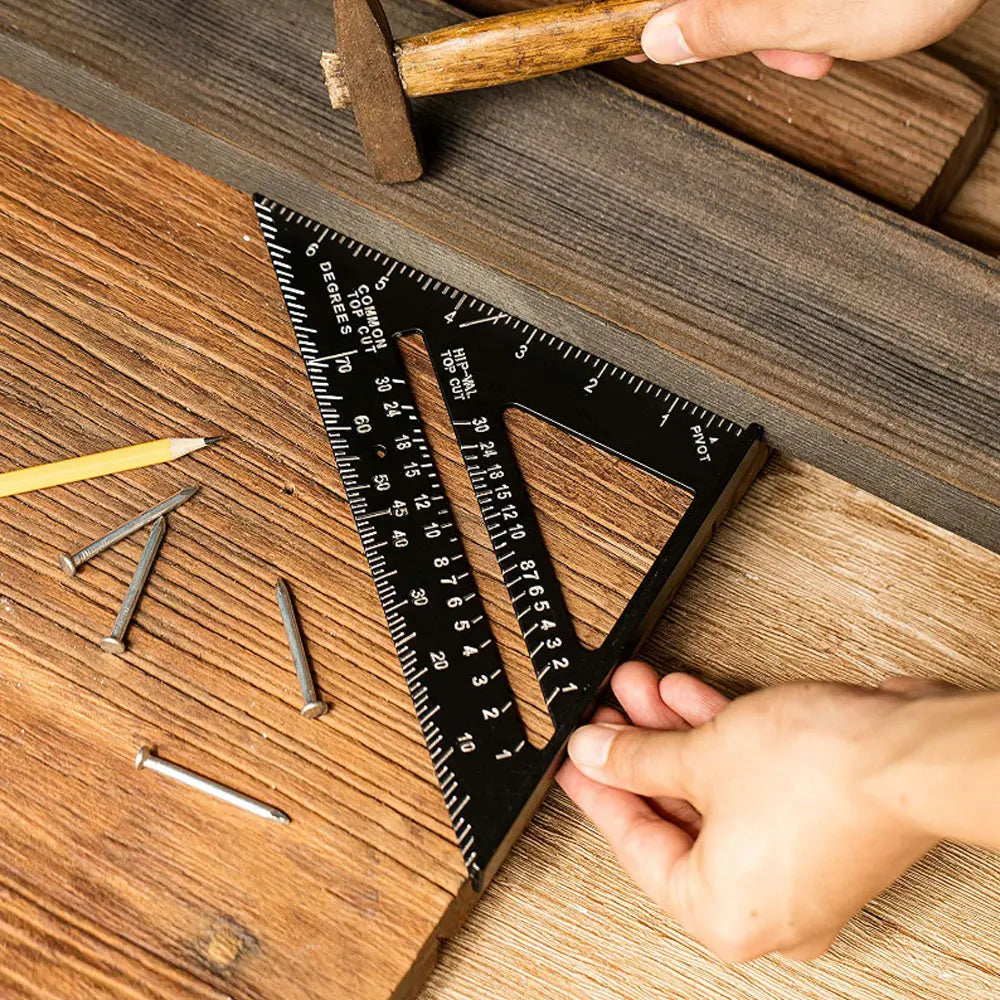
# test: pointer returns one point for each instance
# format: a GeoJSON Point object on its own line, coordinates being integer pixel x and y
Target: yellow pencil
{"type": "Point", "coordinates": [72, 470]}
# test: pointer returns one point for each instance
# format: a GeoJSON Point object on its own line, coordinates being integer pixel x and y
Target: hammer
{"type": "Point", "coordinates": [377, 76]}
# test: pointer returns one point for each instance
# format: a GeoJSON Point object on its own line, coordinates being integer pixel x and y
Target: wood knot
{"type": "Point", "coordinates": [226, 943]}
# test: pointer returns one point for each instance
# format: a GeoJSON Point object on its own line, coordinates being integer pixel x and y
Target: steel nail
{"type": "Point", "coordinates": [71, 563]}
{"type": "Point", "coordinates": [147, 758]}
{"type": "Point", "coordinates": [115, 643]}
{"type": "Point", "coordinates": [312, 707]}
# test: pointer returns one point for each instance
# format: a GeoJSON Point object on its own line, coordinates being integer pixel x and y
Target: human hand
{"type": "Point", "coordinates": [800, 37]}
{"type": "Point", "coordinates": [761, 824]}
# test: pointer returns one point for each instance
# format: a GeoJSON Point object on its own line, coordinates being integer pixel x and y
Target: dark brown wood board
{"type": "Point", "coordinates": [974, 214]}
{"type": "Point", "coordinates": [975, 46]}
{"type": "Point", "coordinates": [906, 131]}
{"type": "Point", "coordinates": [865, 343]}
{"type": "Point", "coordinates": [137, 301]}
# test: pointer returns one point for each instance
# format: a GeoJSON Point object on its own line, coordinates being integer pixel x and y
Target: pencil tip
{"type": "Point", "coordinates": [212, 440]}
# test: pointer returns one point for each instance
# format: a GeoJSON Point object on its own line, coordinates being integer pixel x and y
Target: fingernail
{"type": "Point", "coordinates": [589, 746]}
{"type": "Point", "coordinates": [664, 42]}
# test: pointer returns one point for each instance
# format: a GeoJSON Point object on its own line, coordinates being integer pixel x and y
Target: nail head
{"type": "Point", "coordinates": [314, 709]}
{"type": "Point", "coordinates": [112, 645]}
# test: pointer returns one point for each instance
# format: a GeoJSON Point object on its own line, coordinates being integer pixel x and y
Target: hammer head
{"type": "Point", "coordinates": [381, 108]}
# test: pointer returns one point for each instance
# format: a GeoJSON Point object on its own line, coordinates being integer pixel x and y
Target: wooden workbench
{"type": "Point", "coordinates": [136, 300]}
{"type": "Point", "coordinates": [696, 274]}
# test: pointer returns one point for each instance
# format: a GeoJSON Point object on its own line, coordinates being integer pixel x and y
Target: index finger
{"type": "Point", "coordinates": [647, 846]}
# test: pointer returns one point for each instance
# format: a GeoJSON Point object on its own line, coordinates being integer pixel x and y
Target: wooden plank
{"type": "Point", "coordinates": [137, 301]}
{"type": "Point", "coordinates": [974, 214]}
{"type": "Point", "coordinates": [809, 579]}
{"type": "Point", "coordinates": [975, 46]}
{"type": "Point", "coordinates": [777, 296]}
{"type": "Point", "coordinates": [906, 131]}
{"type": "Point", "coordinates": [133, 303]}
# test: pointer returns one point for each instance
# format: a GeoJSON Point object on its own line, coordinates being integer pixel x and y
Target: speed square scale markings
{"type": "Point", "coordinates": [348, 303]}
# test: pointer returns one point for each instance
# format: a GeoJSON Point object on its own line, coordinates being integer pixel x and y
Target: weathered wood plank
{"type": "Point", "coordinates": [777, 296]}
{"type": "Point", "coordinates": [810, 578]}
{"type": "Point", "coordinates": [974, 214]}
{"type": "Point", "coordinates": [906, 131]}
{"type": "Point", "coordinates": [133, 304]}
{"type": "Point", "coordinates": [975, 46]}
{"type": "Point", "coordinates": [137, 301]}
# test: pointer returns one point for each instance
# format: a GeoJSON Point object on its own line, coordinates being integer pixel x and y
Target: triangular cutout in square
{"type": "Point", "coordinates": [604, 520]}
{"type": "Point", "coordinates": [348, 303]}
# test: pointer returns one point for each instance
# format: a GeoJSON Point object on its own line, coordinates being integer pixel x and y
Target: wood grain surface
{"type": "Point", "coordinates": [906, 131]}
{"type": "Point", "coordinates": [809, 578]}
{"type": "Point", "coordinates": [137, 299]}
{"type": "Point", "coordinates": [511, 46]}
{"type": "Point", "coordinates": [974, 214]}
{"type": "Point", "coordinates": [975, 46]}
{"type": "Point", "coordinates": [138, 302]}
{"type": "Point", "coordinates": [688, 256]}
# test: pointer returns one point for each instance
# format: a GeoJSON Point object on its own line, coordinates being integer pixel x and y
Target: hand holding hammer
{"type": "Point", "coordinates": [376, 75]}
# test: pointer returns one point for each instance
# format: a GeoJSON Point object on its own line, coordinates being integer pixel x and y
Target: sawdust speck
{"type": "Point", "coordinates": [7, 605]}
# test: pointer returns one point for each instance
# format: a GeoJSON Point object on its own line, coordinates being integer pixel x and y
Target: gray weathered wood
{"type": "Point", "coordinates": [904, 131]}
{"type": "Point", "coordinates": [867, 344]}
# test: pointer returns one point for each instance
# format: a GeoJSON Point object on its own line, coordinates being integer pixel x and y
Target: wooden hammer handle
{"type": "Point", "coordinates": [512, 47]}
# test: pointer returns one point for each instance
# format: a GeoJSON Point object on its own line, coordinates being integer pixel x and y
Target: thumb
{"type": "Point", "coordinates": [644, 761]}
{"type": "Point", "coordinates": [696, 30]}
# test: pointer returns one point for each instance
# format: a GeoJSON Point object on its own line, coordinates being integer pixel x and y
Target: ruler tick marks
{"type": "Point", "coordinates": [486, 319]}
{"type": "Point", "coordinates": [346, 314]}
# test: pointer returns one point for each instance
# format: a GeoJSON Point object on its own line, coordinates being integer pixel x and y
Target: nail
{"type": "Point", "coordinates": [146, 758]}
{"type": "Point", "coordinates": [115, 643]}
{"type": "Point", "coordinates": [589, 746]}
{"type": "Point", "coordinates": [71, 563]}
{"type": "Point", "coordinates": [664, 42]}
{"type": "Point", "coordinates": [312, 707]}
